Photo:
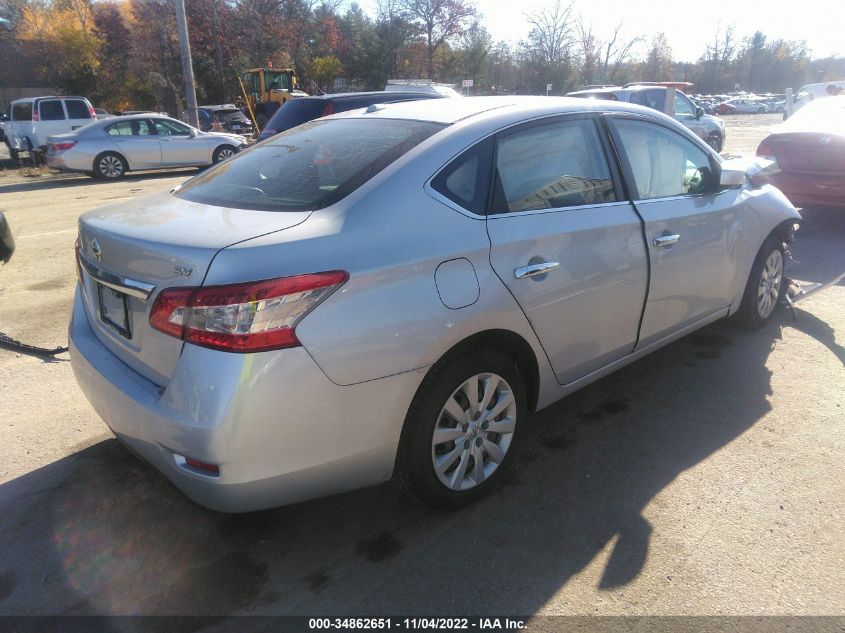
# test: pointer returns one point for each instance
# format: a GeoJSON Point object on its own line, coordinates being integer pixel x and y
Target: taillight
{"type": "Point", "coordinates": [329, 109]}
{"type": "Point", "coordinates": [92, 112]}
{"type": "Point", "coordinates": [35, 116]}
{"type": "Point", "coordinates": [78, 249]}
{"type": "Point", "coordinates": [766, 151]}
{"type": "Point", "coordinates": [248, 317]}
{"type": "Point", "coordinates": [60, 147]}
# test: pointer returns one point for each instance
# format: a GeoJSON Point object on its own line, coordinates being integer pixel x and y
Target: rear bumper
{"type": "Point", "coordinates": [70, 161]}
{"type": "Point", "coordinates": [809, 190]}
{"type": "Point", "coordinates": [279, 430]}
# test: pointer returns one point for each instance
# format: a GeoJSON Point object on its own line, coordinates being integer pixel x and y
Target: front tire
{"type": "Point", "coordinates": [765, 285]}
{"type": "Point", "coordinates": [462, 429]}
{"type": "Point", "coordinates": [714, 141]}
{"type": "Point", "coordinates": [222, 153]}
{"type": "Point", "coordinates": [110, 166]}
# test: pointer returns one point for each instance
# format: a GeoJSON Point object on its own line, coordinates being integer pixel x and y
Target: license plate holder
{"type": "Point", "coordinates": [114, 310]}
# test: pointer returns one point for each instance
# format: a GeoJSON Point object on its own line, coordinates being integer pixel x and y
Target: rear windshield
{"type": "Point", "coordinates": [229, 115]}
{"type": "Point", "coordinates": [826, 114]}
{"type": "Point", "coordinates": [309, 167]}
{"type": "Point", "coordinates": [296, 112]}
{"type": "Point", "coordinates": [77, 109]}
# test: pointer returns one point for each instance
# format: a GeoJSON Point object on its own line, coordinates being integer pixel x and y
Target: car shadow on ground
{"type": "Point", "coordinates": [99, 532]}
{"type": "Point", "coordinates": [817, 254]}
{"type": "Point", "coordinates": [42, 183]}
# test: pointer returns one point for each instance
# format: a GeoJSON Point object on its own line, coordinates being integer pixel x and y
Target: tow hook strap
{"type": "Point", "coordinates": [7, 342]}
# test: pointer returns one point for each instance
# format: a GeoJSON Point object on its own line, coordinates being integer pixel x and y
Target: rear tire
{"type": "Point", "coordinates": [110, 166]}
{"type": "Point", "coordinates": [222, 153]}
{"type": "Point", "coordinates": [765, 285]}
{"type": "Point", "coordinates": [469, 457]}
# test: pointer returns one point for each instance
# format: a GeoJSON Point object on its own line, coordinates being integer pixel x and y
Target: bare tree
{"type": "Point", "coordinates": [439, 20]}
{"type": "Point", "coordinates": [718, 56]}
{"type": "Point", "coordinates": [589, 46]}
{"type": "Point", "coordinates": [551, 32]}
{"type": "Point", "coordinates": [618, 52]}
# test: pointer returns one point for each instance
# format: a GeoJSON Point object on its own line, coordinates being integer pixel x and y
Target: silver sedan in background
{"type": "Point", "coordinates": [108, 149]}
{"type": "Point", "coordinates": [390, 292]}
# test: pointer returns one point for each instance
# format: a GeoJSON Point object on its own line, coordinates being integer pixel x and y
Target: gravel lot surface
{"type": "Point", "coordinates": [707, 478]}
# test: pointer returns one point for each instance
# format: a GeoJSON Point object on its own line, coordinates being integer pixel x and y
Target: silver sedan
{"type": "Point", "coordinates": [391, 292]}
{"type": "Point", "coordinates": [110, 148]}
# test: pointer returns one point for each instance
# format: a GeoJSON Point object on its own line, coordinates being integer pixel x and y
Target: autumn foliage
{"type": "Point", "coordinates": [124, 54]}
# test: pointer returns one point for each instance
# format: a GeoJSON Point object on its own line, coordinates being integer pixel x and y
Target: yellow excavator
{"type": "Point", "coordinates": [268, 89]}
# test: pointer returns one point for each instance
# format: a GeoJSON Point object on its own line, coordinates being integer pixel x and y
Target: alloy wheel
{"type": "Point", "coordinates": [768, 290]}
{"type": "Point", "coordinates": [473, 432]}
{"type": "Point", "coordinates": [111, 167]}
{"type": "Point", "coordinates": [224, 153]}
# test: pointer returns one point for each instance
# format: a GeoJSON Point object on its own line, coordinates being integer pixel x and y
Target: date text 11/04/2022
{"type": "Point", "coordinates": [436, 624]}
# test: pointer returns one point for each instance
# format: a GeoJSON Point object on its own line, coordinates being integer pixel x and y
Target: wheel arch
{"type": "Point", "coordinates": [99, 155]}
{"type": "Point", "coordinates": [512, 345]}
{"type": "Point", "coordinates": [784, 231]}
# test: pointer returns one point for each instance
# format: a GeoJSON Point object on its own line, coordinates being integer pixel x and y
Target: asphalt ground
{"type": "Point", "coordinates": [705, 479]}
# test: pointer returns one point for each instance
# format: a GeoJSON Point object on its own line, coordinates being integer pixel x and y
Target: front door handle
{"type": "Point", "coordinates": [666, 240]}
{"type": "Point", "coordinates": [534, 269]}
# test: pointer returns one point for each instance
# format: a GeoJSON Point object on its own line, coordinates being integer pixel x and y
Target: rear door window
{"type": "Point", "coordinates": [549, 166]}
{"type": "Point", "coordinates": [309, 167]}
{"type": "Point", "coordinates": [22, 111]}
{"type": "Point", "coordinates": [51, 110]}
{"type": "Point", "coordinates": [135, 127]}
{"type": "Point", "coordinates": [654, 99]}
{"type": "Point", "coordinates": [77, 109]}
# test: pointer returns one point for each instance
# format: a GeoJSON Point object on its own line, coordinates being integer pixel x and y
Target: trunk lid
{"type": "Point", "coordinates": [809, 152]}
{"type": "Point", "coordinates": [141, 247]}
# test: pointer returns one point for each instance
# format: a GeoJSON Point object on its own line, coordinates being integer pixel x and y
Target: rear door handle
{"type": "Point", "coordinates": [666, 240]}
{"type": "Point", "coordinates": [534, 269]}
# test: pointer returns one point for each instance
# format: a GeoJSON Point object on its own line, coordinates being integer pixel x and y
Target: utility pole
{"type": "Point", "coordinates": [218, 51]}
{"type": "Point", "coordinates": [187, 66]}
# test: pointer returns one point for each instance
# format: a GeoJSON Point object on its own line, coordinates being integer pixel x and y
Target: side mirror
{"type": "Point", "coordinates": [742, 169]}
{"type": "Point", "coordinates": [732, 178]}
{"type": "Point", "coordinates": [7, 244]}
{"type": "Point", "coordinates": [699, 112]}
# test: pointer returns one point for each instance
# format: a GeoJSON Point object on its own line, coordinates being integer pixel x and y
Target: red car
{"type": "Point", "coordinates": [808, 151]}
{"type": "Point", "coordinates": [725, 108]}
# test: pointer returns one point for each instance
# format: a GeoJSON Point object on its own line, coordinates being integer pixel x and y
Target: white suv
{"type": "Point", "coordinates": [33, 120]}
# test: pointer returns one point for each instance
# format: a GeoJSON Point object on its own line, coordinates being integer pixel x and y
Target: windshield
{"type": "Point", "coordinates": [228, 115]}
{"type": "Point", "coordinates": [276, 81]}
{"type": "Point", "coordinates": [309, 167]}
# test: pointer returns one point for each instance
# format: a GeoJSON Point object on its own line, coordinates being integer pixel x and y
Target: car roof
{"type": "Point", "coordinates": [34, 99]}
{"type": "Point", "coordinates": [224, 106]}
{"type": "Point", "coordinates": [448, 111]}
